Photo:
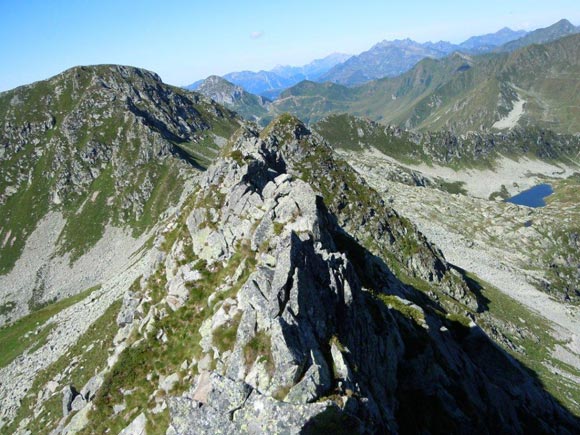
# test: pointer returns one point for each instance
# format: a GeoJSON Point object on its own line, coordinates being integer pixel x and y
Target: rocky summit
{"type": "Point", "coordinates": [95, 153]}
{"type": "Point", "coordinates": [262, 284]}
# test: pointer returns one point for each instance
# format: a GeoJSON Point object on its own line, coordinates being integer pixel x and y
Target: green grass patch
{"type": "Point", "coordinates": [18, 336]}
{"type": "Point", "coordinates": [453, 187]}
{"type": "Point", "coordinates": [224, 336]}
{"type": "Point", "coordinates": [22, 212]}
{"type": "Point", "coordinates": [91, 350]}
{"type": "Point", "coordinates": [278, 228]}
{"type": "Point", "coordinates": [281, 392]}
{"type": "Point", "coordinates": [7, 308]}
{"type": "Point", "coordinates": [166, 191]}
{"type": "Point", "coordinates": [86, 221]}
{"type": "Point", "coordinates": [502, 194]}
{"type": "Point", "coordinates": [259, 348]}
{"type": "Point", "coordinates": [406, 310]}
{"type": "Point", "coordinates": [459, 318]}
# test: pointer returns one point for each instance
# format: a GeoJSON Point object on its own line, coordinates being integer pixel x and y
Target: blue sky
{"type": "Point", "coordinates": [187, 40]}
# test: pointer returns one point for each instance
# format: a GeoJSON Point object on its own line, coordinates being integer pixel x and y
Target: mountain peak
{"type": "Point", "coordinates": [563, 23]}
{"type": "Point", "coordinates": [222, 91]}
{"type": "Point", "coordinates": [286, 127]}
{"type": "Point", "coordinates": [540, 36]}
{"type": "Point", "coordinates": [214, 80]}
{"type": "Point", "coordinates": [109, 70]}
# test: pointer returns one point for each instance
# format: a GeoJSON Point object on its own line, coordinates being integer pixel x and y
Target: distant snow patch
{"type": "Point", "coordinates": [512, 118]}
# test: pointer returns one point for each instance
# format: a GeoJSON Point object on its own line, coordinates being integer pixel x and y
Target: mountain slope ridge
{"type": "Point", "coordinates": [105, 146]}
{"type": "Point", "coordinates": [459, 93]}
{"type": "Point", "coordinates": [269, 337]}
{"type": "Point", "coordinates": [281, 282]}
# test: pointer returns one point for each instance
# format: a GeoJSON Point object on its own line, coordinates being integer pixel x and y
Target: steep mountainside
{"type": "Point", "coordinates": [288, 298]}
{"type": "Point", "coordinates": [249, 106]}
{"type": "Point", "coordinates": [540, 36]}
{"type": "Point", "coordinates": [528, 254]}
{"type": "Point", "coordinates": [479, 150]}
{"type": "Point", "coordinates": [85, 152]}
{"type": "Point", "coordinates": [483, 152]}
{"type": "Point", "coordinates": [533, 86]}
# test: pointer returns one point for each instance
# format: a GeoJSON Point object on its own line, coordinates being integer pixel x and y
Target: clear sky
{"type": "Point", "coordinates": [184, 41]}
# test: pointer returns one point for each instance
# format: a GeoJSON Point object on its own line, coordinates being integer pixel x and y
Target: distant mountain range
{"type": "Point", "coordinates": [484, 42]}
{"type": "Point", "coordinates": [530, 86]}
{"type": "Point", "coordinates": [387, 59]}
{"type": "Point", "coordinates": [534, 85]}
{"type": "Point", "coordinates": [269, 84]}
{"type": "Point", "coordinates": [551, 33]}
{"type": "Point", "coordinates": [392, 58]}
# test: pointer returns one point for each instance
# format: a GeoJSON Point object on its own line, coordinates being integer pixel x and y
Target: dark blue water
{"type": "Point", "coordinates": [533, 197]}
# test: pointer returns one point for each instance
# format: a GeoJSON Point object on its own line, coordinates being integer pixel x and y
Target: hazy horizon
{"type": "Point", "coordinates": [187, 41]}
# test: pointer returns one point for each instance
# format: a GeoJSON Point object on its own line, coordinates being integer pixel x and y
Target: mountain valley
{"type": "Point", "coordinates": [316, 249]}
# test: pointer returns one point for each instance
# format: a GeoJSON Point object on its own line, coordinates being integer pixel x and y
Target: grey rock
{"type": "Point", "coordinates": [119, 408]}
{"type": "Point", "coordinates": [168, 382]}
{"type": "Point", "coordinates": [127, 313]}
{"type": "Point", "coordinates": [90, 389]}
{"type": "Point", "coordinates": [315, 383]}
{"type": "Point", "coordinates": [233, 407]}
{"type": "Point", "coordinates": [68, 395]}
{"type": "Point", "coordinates": [78, 403]}
{"type": "Point", "coordinates": [137, 426]}
{"type": "Point", "coordinates": [78, 422]}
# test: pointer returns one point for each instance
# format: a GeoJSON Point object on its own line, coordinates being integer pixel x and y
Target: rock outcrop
{"type": "Point", "coordinates": [303, 329]}
{"type": "Point", "coordinates": [100, 146]}
{"type": "Point", "coordinates": [341, 349]}
{"type": "Point", "coordinates": [282, 296]}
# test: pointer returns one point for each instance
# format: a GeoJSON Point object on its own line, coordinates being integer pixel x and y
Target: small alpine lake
{"type": "Point", "coordinates": [533, 197]}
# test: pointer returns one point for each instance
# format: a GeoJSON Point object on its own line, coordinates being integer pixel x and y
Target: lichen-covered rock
{"type": "Point", "coordinates": [68, 395]}
{"type": "Point", "coordinates": [327, 339]}
{"type": "Point", "coordinates": [226, 407]}
{"type": "Point", "coordinates": [91, 387]}
{"type": "Point", "coordinates": [137, 426]}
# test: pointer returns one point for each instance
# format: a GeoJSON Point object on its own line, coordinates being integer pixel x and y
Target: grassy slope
{"type": "Point", "coordinates": [443, 148]}
{"type": "Point", "coordinates": [91, 352]}
{"type": "Point", "coordinates": [458, 92]}
{"type": "Point", "coordinates": [76, 96]}
{"type": "Point", "coordinates": [30, 332]}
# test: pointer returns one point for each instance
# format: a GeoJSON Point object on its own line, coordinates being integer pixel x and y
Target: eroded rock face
{"type": "Point", "coordinates": [87, 150]}
{"type": "Point", "coordinates": [221, 405]}
{"type": "Point", "coordinates": [326, 341]}
{"type": "Point", "coordinates": [284, 315]}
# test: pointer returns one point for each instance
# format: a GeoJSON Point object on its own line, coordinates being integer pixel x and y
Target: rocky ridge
{"type": "Point", "coordinates": [307, 275]}
{"type": "Point", "coordinates": [263, 316]}
{"type": "Point", "coordinates": [101, 146]}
